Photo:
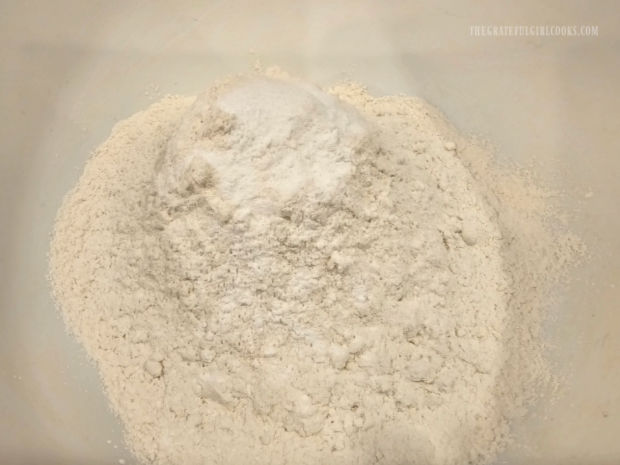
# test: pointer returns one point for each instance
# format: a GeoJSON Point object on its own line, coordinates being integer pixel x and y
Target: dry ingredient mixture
{"type": "Point", "coordinates": [273, 273]}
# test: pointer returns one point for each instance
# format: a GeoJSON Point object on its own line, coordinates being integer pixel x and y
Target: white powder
{"type": "Point", "coordinates": [263, 142]}
{"type": "Point", "coordinates": [275, 274]}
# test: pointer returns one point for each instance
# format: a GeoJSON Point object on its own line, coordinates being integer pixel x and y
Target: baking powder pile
{"type": "Point", "coordinates": [272, 273]}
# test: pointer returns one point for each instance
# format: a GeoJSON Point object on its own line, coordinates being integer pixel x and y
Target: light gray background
{"type": "Point", "coordinates": [70, 69]}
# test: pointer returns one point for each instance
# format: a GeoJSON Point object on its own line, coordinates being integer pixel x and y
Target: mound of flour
{"type": "Point", "coordinates": [274, 273]}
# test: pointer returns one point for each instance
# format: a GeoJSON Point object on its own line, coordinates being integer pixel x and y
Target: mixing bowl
{"type": "Point", "coordinates": [70, 69]}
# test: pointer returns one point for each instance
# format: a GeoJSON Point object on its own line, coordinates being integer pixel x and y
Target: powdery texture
{"type": "Point", "coordinates": [271, 273]}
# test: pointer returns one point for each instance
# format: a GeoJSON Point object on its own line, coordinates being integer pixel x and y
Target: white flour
{"type": "Point", "coordinates": [273, 274]}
